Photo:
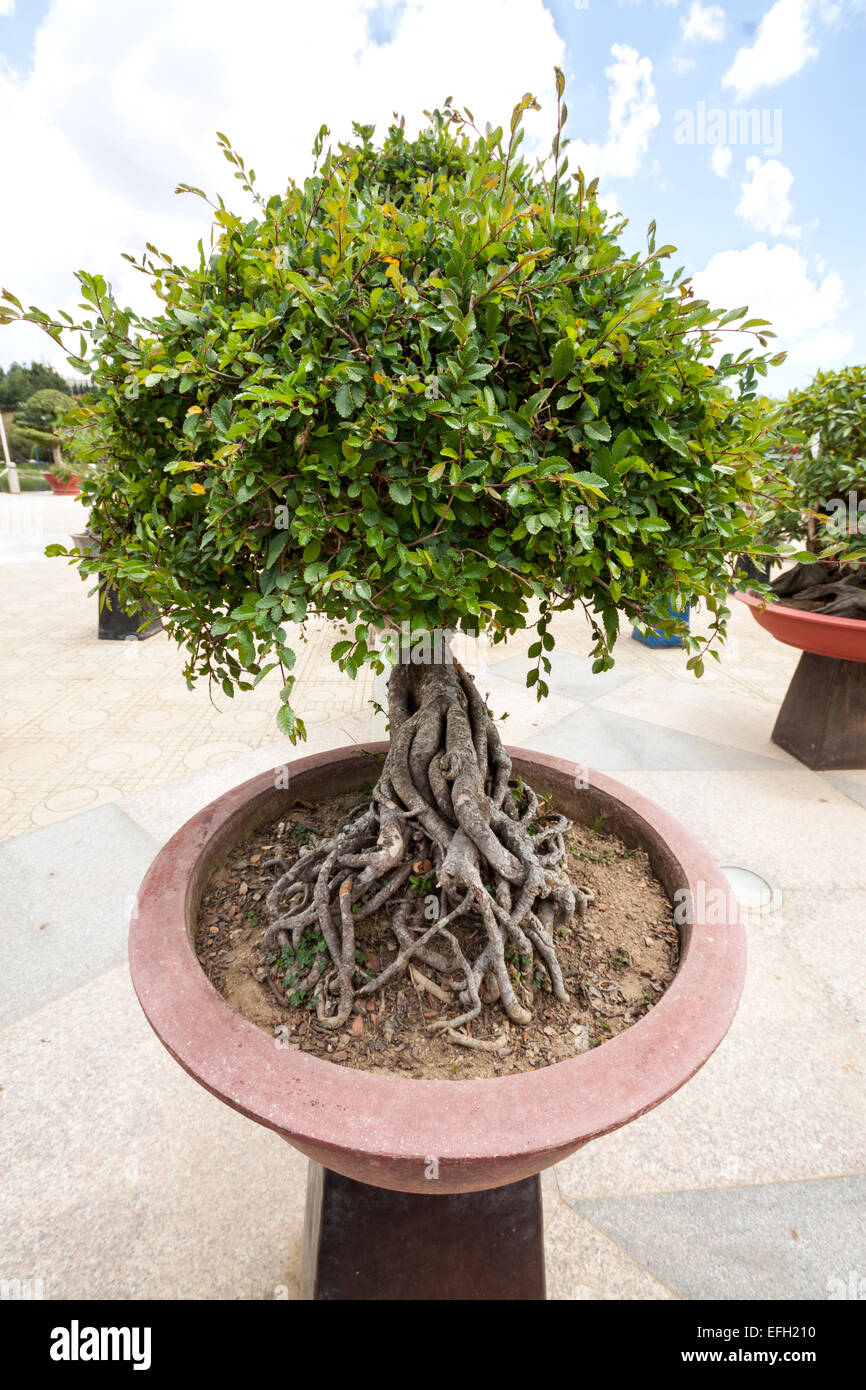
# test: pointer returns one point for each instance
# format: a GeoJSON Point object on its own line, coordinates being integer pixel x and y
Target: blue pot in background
{"type": "Point", "coordinates": [654, 638]}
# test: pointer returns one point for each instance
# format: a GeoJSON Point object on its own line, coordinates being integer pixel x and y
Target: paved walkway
{"type": "Point", "coordinates": [86, 722]}
{"type": "Point", "coordinates": [125, 1179]}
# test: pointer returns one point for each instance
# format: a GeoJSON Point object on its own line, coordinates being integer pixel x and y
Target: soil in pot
{"type": "Point", "coordinates": [617, 961]}
{"type": "Point", "coordinates": [837, 590]}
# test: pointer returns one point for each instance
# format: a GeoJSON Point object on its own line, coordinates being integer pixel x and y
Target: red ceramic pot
{"type": "Point", "coordinates": [820, 633]}
{"type": "Point", "coordinates": [62, 487]}
{"type": "Point", "coordinates": [385, 1130]}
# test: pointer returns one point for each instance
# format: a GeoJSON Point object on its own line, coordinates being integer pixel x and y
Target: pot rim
{"type": "Point", "coordinates": [347, 1115]}
{"type": "Point", "coordinates": [826, 629]}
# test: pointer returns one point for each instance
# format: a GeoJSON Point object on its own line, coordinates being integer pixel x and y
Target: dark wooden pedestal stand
{"type": "Point", "coordinates": [823, 718]}
{"type": "Point", "coordinates": [366, 1243]}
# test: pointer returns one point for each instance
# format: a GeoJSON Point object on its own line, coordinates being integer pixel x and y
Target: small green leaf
{"type": "Point", "coordinates": [563, 358]}
{"type": "Point", "coordinates": [598, 429]}
{"type": "Point", "coordinates": [343, 401]}
{"type": "Point", "coordinates": [286, 719]}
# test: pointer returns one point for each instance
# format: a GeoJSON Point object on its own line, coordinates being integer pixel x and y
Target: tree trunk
{"type": "Point", "coordinates": [445, 800]}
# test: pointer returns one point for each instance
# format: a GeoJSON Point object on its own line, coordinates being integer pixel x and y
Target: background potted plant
{"type": "Point", "coordinates": [18, 383]}
{"type": "Point", "coordinates": [30, 476]}
{"type": "Point", "coordinates": [427, 390]}
{"type": "Point", "coordinates": [817, 501]}
{"type": "Point", "coordinates": [821, 506]}
{"type": "Point", "coordinates": [40, 420]}
{"type": "Point", "coordinates": [119, 619]}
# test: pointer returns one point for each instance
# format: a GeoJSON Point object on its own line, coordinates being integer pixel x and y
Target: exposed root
{"type": "Point", "coordinates": [421, 982]}
{"type": "Point", "coordinates": [499, 1044]}
{"type": "Point", "coordinates": [445, 799]}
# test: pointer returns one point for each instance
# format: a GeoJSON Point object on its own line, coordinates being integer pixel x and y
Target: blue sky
{"type": "Point", "coordinates": [18, 29]}
{"type": "Point", "coordinates": [816, 116]}
{"type": "Point", "coordinates": [105, 106]}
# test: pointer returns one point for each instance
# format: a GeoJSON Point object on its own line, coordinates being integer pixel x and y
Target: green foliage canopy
{"type": "Point", "coordinates": [427, 387]}
{"type": "Point", "coordinates": [823, 465]}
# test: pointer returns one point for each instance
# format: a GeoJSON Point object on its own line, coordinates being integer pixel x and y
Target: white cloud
{"type": "Point", "coordinates": [720, 160]}
{"type": "Point", "coordinates": [837, 13]}
{"type": "Point", "coordinates": [123, 102]}
{"type": "Point", "coordinates": [776, 284]}
{"type": "Point", "coordinates": [7, 7]}
{"type": "Point", "coordinates": [782, 47]}
{"type": "Point", "coordinates": [683, 65]}
{"type": "Point", "coordinates": [608, 199]}
{"type": "Point", "coordinates": [633, 115]}
{"type": "Point", "coordinates": [704, 24]}
{"type": "Point", "coordinates": [765, 204]}
{"type": "Point", "coordinates": [829, 347]}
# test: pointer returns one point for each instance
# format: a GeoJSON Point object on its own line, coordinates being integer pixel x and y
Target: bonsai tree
{"type": "Point", "coordinates": [821, 503]}
{"type": "Point", "coordinates": [39, 419]}
{"type": "Point", "coordinates": [425, 391]}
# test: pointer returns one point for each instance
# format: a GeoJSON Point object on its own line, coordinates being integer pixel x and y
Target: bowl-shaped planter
{"type": "Point", "coordinates": [822, 721]}
{"type": "Point", "coordinates": [388, 1130]}
{"type": "Point", "coordinates": [61, 487]}
{"type": "Point", "coordinates": [819, 633]}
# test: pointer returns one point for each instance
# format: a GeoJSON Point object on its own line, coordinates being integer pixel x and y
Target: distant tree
{"type": "Point", "coordinates": [18, 383]}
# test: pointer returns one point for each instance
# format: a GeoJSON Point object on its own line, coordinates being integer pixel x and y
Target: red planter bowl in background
{"type": "Point", "coordinates": [63, 487]}
{"type": "Point", "coordinates": [821, 633]}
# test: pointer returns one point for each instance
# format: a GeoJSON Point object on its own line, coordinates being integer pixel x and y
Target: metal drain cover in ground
{"type": "Point", "coordinates": [756, 894]}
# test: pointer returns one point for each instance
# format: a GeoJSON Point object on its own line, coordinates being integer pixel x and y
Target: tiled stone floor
{"type": "Point", "coordinates": [125, 1179]}
{"type": "Point", "coordinates": [85, 722]}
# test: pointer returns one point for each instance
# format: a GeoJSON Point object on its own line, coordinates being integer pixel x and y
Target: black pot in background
{"type": "Point", "coordinates": [114, 624]}
{"type": "Point", "coordinates": [753, 571]}
{"type": "Point", "coordinates": [117, 626]}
